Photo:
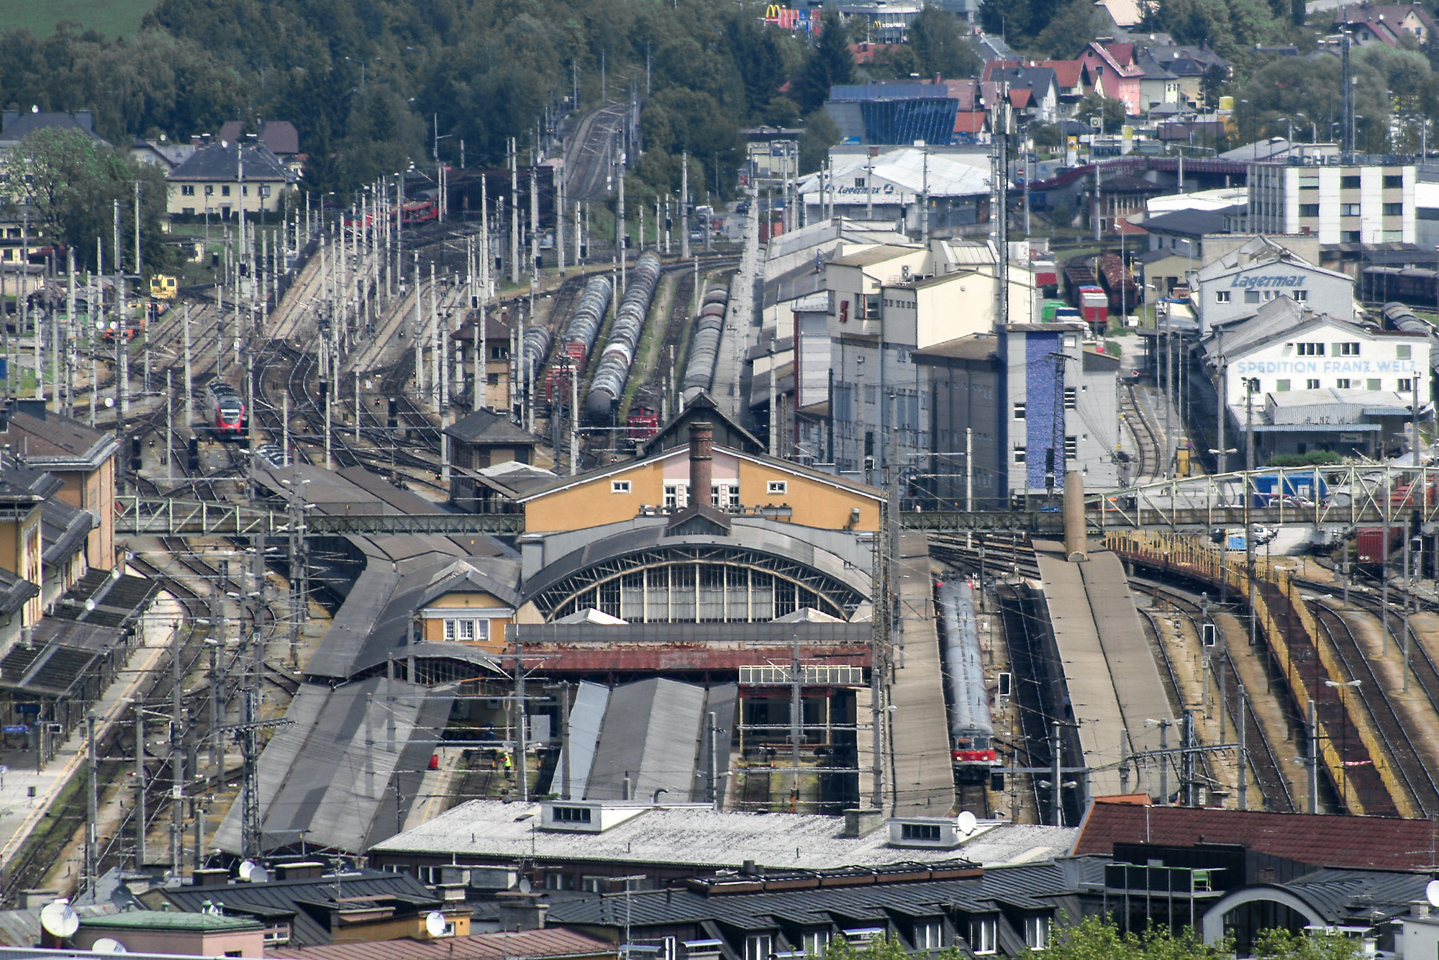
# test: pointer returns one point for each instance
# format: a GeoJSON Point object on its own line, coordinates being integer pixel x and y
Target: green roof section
{"type": "Point", "coordinates": [171, 920]}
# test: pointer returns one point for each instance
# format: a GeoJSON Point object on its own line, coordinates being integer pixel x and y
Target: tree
{"type": "Point", "coordinates": [829, 64]}
{"type": "Point", "coordinates": [939, 47]}
{"type": "Point", "coordinates": [1110, 109]}
{"type": "Point", "coordinates": [1071, 27]}
{"type": "Point", "coordinates": [820, 133]}
{"type": "Point", "coordinates": [72, 183]}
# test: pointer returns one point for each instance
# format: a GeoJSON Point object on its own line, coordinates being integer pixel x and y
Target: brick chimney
{"type": "Point", "coordinates": [701, 462]}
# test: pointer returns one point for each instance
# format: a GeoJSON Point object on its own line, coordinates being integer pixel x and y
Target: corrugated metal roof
{"type": "Point", "coordinates": [517, 945]}
{"type": "Point", "coordinates": [587, 714]}
{"type": "Point", "coordinates": [649, 738]}
{"type": "Point", "coordinates": [333, 773]}
{"type": "Point", "coordinates": [482, 829]}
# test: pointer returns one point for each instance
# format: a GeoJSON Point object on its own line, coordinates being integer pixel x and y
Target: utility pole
{"type": "Point", "coordinates": [514, 151]}
{"type": "Point", "coordinates": [122, 344]}
{"type": "Point", "coordinates": [92, 840]}
{"type": "Point", "coordinates": [685, 205]}
{"type": "Point", "coordinates": [140, 815]}
{"type": "Point", "coordinates": [520, 746]}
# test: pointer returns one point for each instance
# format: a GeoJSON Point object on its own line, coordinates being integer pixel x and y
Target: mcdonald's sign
{"type": "Point", "coordinates": [781, 16]}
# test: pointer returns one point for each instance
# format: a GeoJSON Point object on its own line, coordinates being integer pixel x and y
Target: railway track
{"type": "Point", "coordinates": [1148, 458]}
{"type": "Point", "coordinates": [1035, 689]}
{"type": "Point", "coordinates": [1264, 762]}
{"type": "Point", "coordinates": [1332, 704]}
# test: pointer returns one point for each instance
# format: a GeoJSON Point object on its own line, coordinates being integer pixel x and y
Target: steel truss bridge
{"type": "Point", "coordinates": [1335, 498]}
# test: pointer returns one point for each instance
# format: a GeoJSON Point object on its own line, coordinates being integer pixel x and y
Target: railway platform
{"type": "Point", "coordinates": [920, 774]}
{"type": "Point", "coordinates": [21, 812]}
{"type": "Point", "coordinates": [1115, 693]}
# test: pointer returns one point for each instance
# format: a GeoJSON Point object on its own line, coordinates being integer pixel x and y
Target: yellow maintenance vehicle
{"type": "Point", "coordinates": [162, 287]}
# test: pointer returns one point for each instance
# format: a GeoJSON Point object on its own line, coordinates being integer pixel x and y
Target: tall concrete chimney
{"type": "Point", "coordinates": [701, 462]}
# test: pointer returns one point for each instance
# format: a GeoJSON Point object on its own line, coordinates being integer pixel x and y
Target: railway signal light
{"type": "Point", "coordinates": [1209, 633]}
{"type": "Point", "coordinates": [192, 458]}
{"type": "Point", "coordinates": [392, 412]}
{"type": "Point", "coordinates": [135, 448]}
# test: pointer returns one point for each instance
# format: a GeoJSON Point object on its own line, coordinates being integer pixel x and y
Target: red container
{"type": "Point", "coordinates": [1370, 542]}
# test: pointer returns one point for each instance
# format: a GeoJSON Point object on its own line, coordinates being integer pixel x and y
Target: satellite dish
{"type": "Point", "coordinates": [435, 923]}
{"type": "Point", "coordinates": [60, 919]}
{"type": "Point", "coordinates": [1431, 892]}
{"type": "Point", "coordinates": [107, 945]}
{"type": "Point", "coordinates": [247, 869]}
{"type": "Point", "coordinates": [526, 886]}
{"type": "Point", "coordinates": [966, 822]}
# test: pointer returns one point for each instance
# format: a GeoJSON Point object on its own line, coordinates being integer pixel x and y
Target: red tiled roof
{"type": "Point", "coordinates": [964, 91]}
{"type": "Point", "coordinates": [551, 942]}
{"type": "Point", "coordinates": [1020, 97]}
{"type": "Point", "coordinates": [1331, 841]}
{"type": "Point", "coordinates": [1124, 228]}
{"type": "Point", "coordinates": [1123, 53]}
{"type": "Point", "coordinates": [969, 121]}
{"type": "Point", "coordinates": [1066, 72]}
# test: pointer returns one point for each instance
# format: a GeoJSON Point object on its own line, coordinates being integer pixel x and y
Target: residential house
{"type": "Point", "coordinates": [507, 943]}
{"type": "Point", "coordinates": [228, 179]}
{"type": "Point", "coordinates": [1068, 83]}
{"type": "Point", "coordinates": [1115, 73]}
{"type": "Point", "coordinates": [279, 136]}
{"type": "Point", "coordinates": [15, 125]}
{"type": "Point", "coordinates": [1384, 23]}
{"type": "Point", "coordinates": [1174, 73]}
{"type": "Point", "coordinates": [1032, 90]}
{"type": "Point", "coordinates": [773, 912]}
{"type": "Point", "coordinates": [163, 153]}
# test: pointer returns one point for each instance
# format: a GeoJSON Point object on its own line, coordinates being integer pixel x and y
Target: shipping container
{"type": "Point", "coordinates": [1370, 544]}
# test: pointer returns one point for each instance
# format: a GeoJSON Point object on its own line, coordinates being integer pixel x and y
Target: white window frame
{"type": "Point", "coordinates": [777, 487]}
{"type": "Point", "coordinates": [758, 946]}
{"type": "Point", "coordinates": [619, 486]}
{"type": "Point", "coordinates": [983, 934]}
{"type": "Point", "coordinates": [929, 935]}
{"type": "Point", "coordinates": [1036, 932]}
{"type": "Point", "coordinates": [1021, 409]}
{"type": "Point", "coordinates": [1221, 296]}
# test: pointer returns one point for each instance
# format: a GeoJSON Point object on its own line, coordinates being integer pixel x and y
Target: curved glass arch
{"type": "Point", "coordinates": [698, 584]}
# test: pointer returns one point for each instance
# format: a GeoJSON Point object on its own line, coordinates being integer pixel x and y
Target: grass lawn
{"type": "Point", "coordinates": [110, 17]}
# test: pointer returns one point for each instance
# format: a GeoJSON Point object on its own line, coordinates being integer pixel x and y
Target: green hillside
{"type": "Point", "coordinates": [110, 17]}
